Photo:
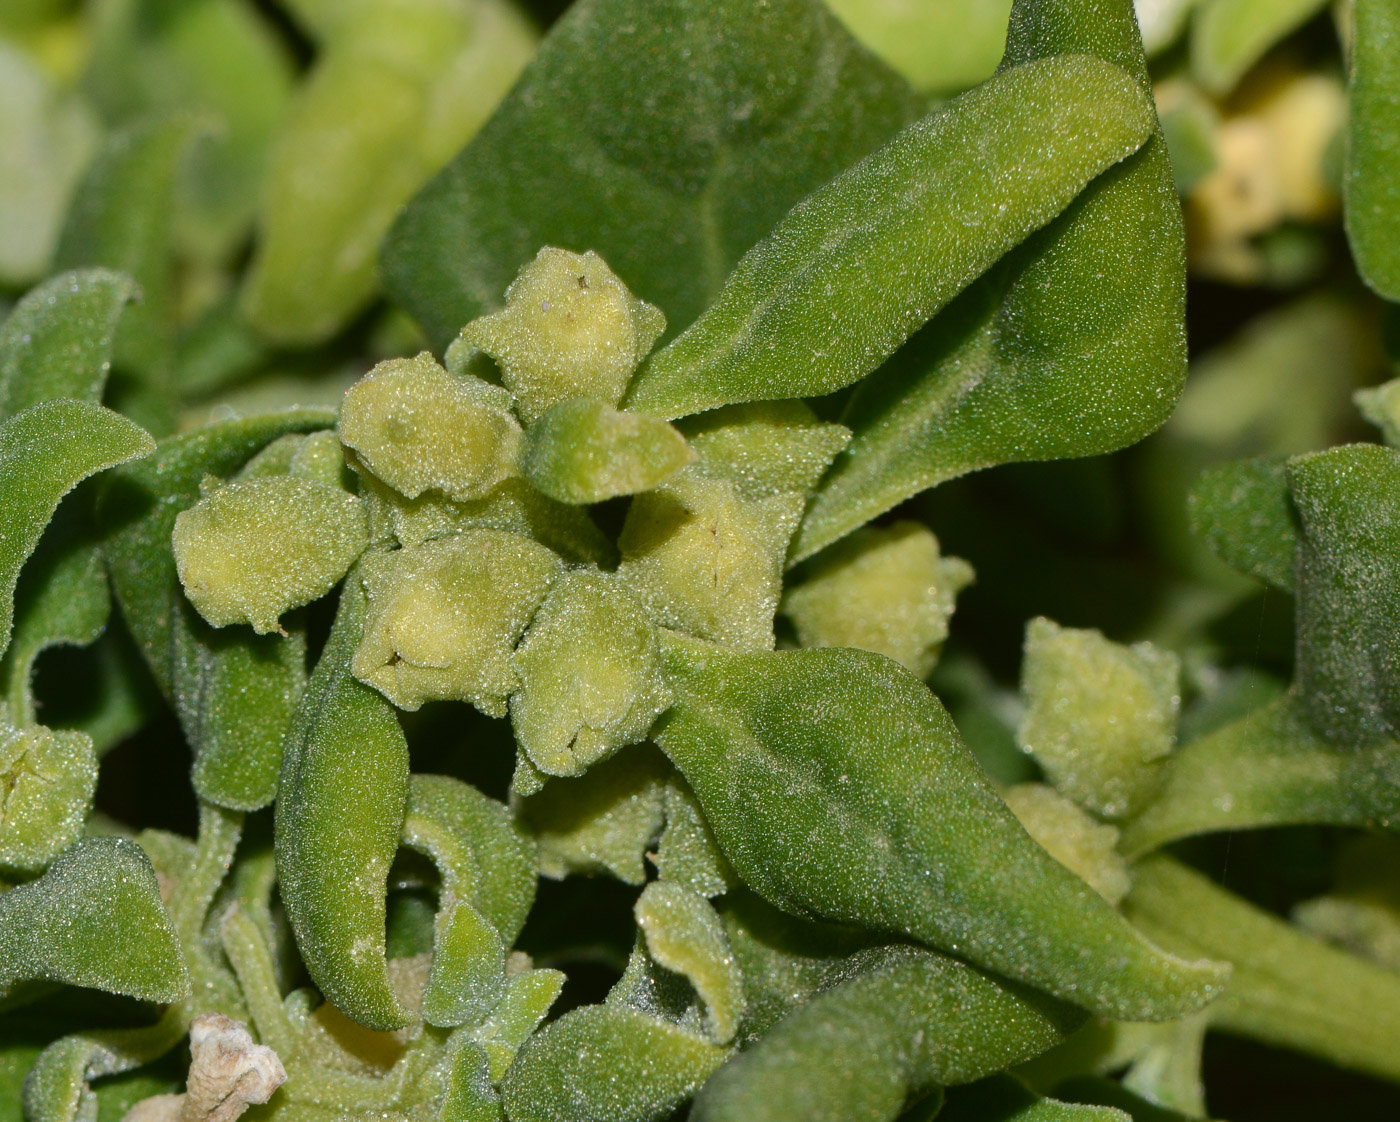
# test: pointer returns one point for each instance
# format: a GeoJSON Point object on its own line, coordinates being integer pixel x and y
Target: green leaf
{"type": "Point", "coordinates": [1244, 513]}
{"type": "Point", "coordinates": [1348, 591]}
{"type": "Point", "coordinates": [340, 807]}
{"type": "Point", "coordinates": [120, 218]}
{"type": "Point", "coordinates": [94, 919]}
{"type": "Point", "coordinates": [838, 787]}
{"type": "Point", "coordinates": [1287, 988]}
{"type": "Point", "coordinates": [1270, 768]}
{"type": "Point", "coordinates": [45, 451]}
{"type": "Point", "coordinates": [668, 137]}
{"type": "Point", "coordinates": [488, 871]}
{"type": "Point", "coordinates": [1073, 346]}
{"type": "Point", "coordinates": [1003, 1098]}
{"type": "Point", "coordinates": [607, 1063]}
{"type": "Point", "coordinates": [57, 342]}
{"type": "Point", "coordinates": [49, 778]}
{"type": "Point", "coordinates": [1230, 36]}
{"type": "Point", "coordinates": [861, 263]}
{"type": "Point", "coordinates": [899, 1022]}
{"type": "Point", "coordinates": [1373, 146]}
{"type": "Point", "coordinates": [233, 691]}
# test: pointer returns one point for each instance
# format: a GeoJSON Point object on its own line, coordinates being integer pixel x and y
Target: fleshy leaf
{"type": "Point", "coordinates": [48, 778]}
{"type": "Point", "coordinates": [45, 451]}
{"type": "Point", "coordinates": [898, 1023]}
{"type": "Point", "coordinates": [806, 311]}
{"type": "Point", "coordinates": [940, 48]}
{"type": "Point", "coordinates": [838, 787]}
{"type": "Point", "coordinates": [667, 137]}
{"type": "Point", "coordinates": [57, 342]}
{"type": "Point", "coordinates": [1007, 1100]}
{"type": "Point", "coordinates": [1373, 149]}
{"type": "Point", "coordinates": [607, 1063]}
{"type": "Point", "coordinates": [1074, 345]}
{"type": "Point", "coordinates": [1243, 511]}
{"type": "Point", "coordinates": [93, 919]}
{"type": "Point", "coordinates": [340, 807]}
{"type": "Point", "coordinates": [1348, 591]}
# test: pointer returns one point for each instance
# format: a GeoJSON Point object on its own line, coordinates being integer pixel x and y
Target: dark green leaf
{"type": "Point", "coordinates": [898, 1023]}
{"type": "Point", "coordinates": [1006, 1100]}
{"type": "Point", "coordinates": [232, 690]}
{"type": "Point", "coordinates": [57, 342]}
{"type": "Point", "coordinates": [1073, 346]}
{"type": "Point", "coordinates": [340, 807]}
{"type": "Point", "coordinates": [1243, 511]}
{"type": "Point", "coordinates": [1348, 612]}
{"type": "Point", "coordinates": [667, 136]}
{"type": "Point", "coordinates": [94, 919]}
{"type": "Point", "coordinates": [45, 451]}
{"type": "Point", "coordinates": [838, 787]}
{"type": "Point", "coordinates": [1373, 145]}
{"type": "Point", "coordinates": [861, 263]}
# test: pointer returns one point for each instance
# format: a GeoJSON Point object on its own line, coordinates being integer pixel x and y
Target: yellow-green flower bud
{"type": "Point", "coordinates": [419, 428]}
{"type": "Point", "coordinates": [316, 456]}
{"type": "Point", "coordinates": [766, 447]}
{"type": "Point", "coordinates": [252, 549]}
{"type": "Point", "coordinates": [1100, 717]}
{"type": "Point", "coordinates": [584, 451]}
{"type": "Point", "coordinates": [47, 779]}
{"type": "Point", "coordinates": [570, 328]}
{"type": "Point", "coordinates": [706, 561]}
{"type": "Point", "coordinates": [444, 617]}
{"type": "Point", "coordinates": [1078, 842]}
{"type": "Point", "coordinates": [884, 590]}
{"type": "Point", "coordinates": [590, 675]}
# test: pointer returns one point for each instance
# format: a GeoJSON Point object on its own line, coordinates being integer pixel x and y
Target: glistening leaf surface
{"type": "Point", "coordinates": [667, 136]}
{"type": "Point", "coordinates": [838, 787]}
{"type": "Point", "coordinates": [340, 807]}
{"type": "Point", "coordinates": [45, 452]}
{"type": "Point", "coordinates": [900, 1022]}
{"type": "Point", "coordinates": [1373, 145]}
{"type": "Point", "coordinates": [854, 269]}
{"type": "Point", "coordinates": [1074, 345]}
{"type": "Point", "coordinates": [94, 919]}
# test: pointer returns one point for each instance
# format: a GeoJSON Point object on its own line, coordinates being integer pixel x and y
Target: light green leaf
{"type": "Point", "coordinates": [896, 1023]}
{"type": "Point", "coordinates": [1373, 147]}
{"type": "Point", "coordinates": [1074, 345]}
{"type": "Point", "coordinates": [861, 263]}
{"type": "Point", "coordinates": [1244, 512]}
{"type": "Point", "coordinates": [838, 787]}
{"type": "Point", "coordinates": [687, 852]}
{"type": "Point", "coordinates": [607, 1063]}
{"type": "Point", "coordinates": [94, 919]}
{"type": "Point", "coordinates": [45, 451]}
{"type": "Point", "coordinates": [1269, 768]}
{"type": "Point", "coordinates": [1230, 36]}
{"type": "Point", "coordinates": [1287, 988]}
{"type": "Point", "coordinates": [57, 342]}
{"type": "Point", "coordinates": [233, 692]}
{"type": "Point", "coordinates": [684, 934]}
{"type": "Point", "coordinates": [340, 808]}
{"type": "Point", "coordinates": [668, 137]}
{"type": "Point", "coordinates": [525, 1004]}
